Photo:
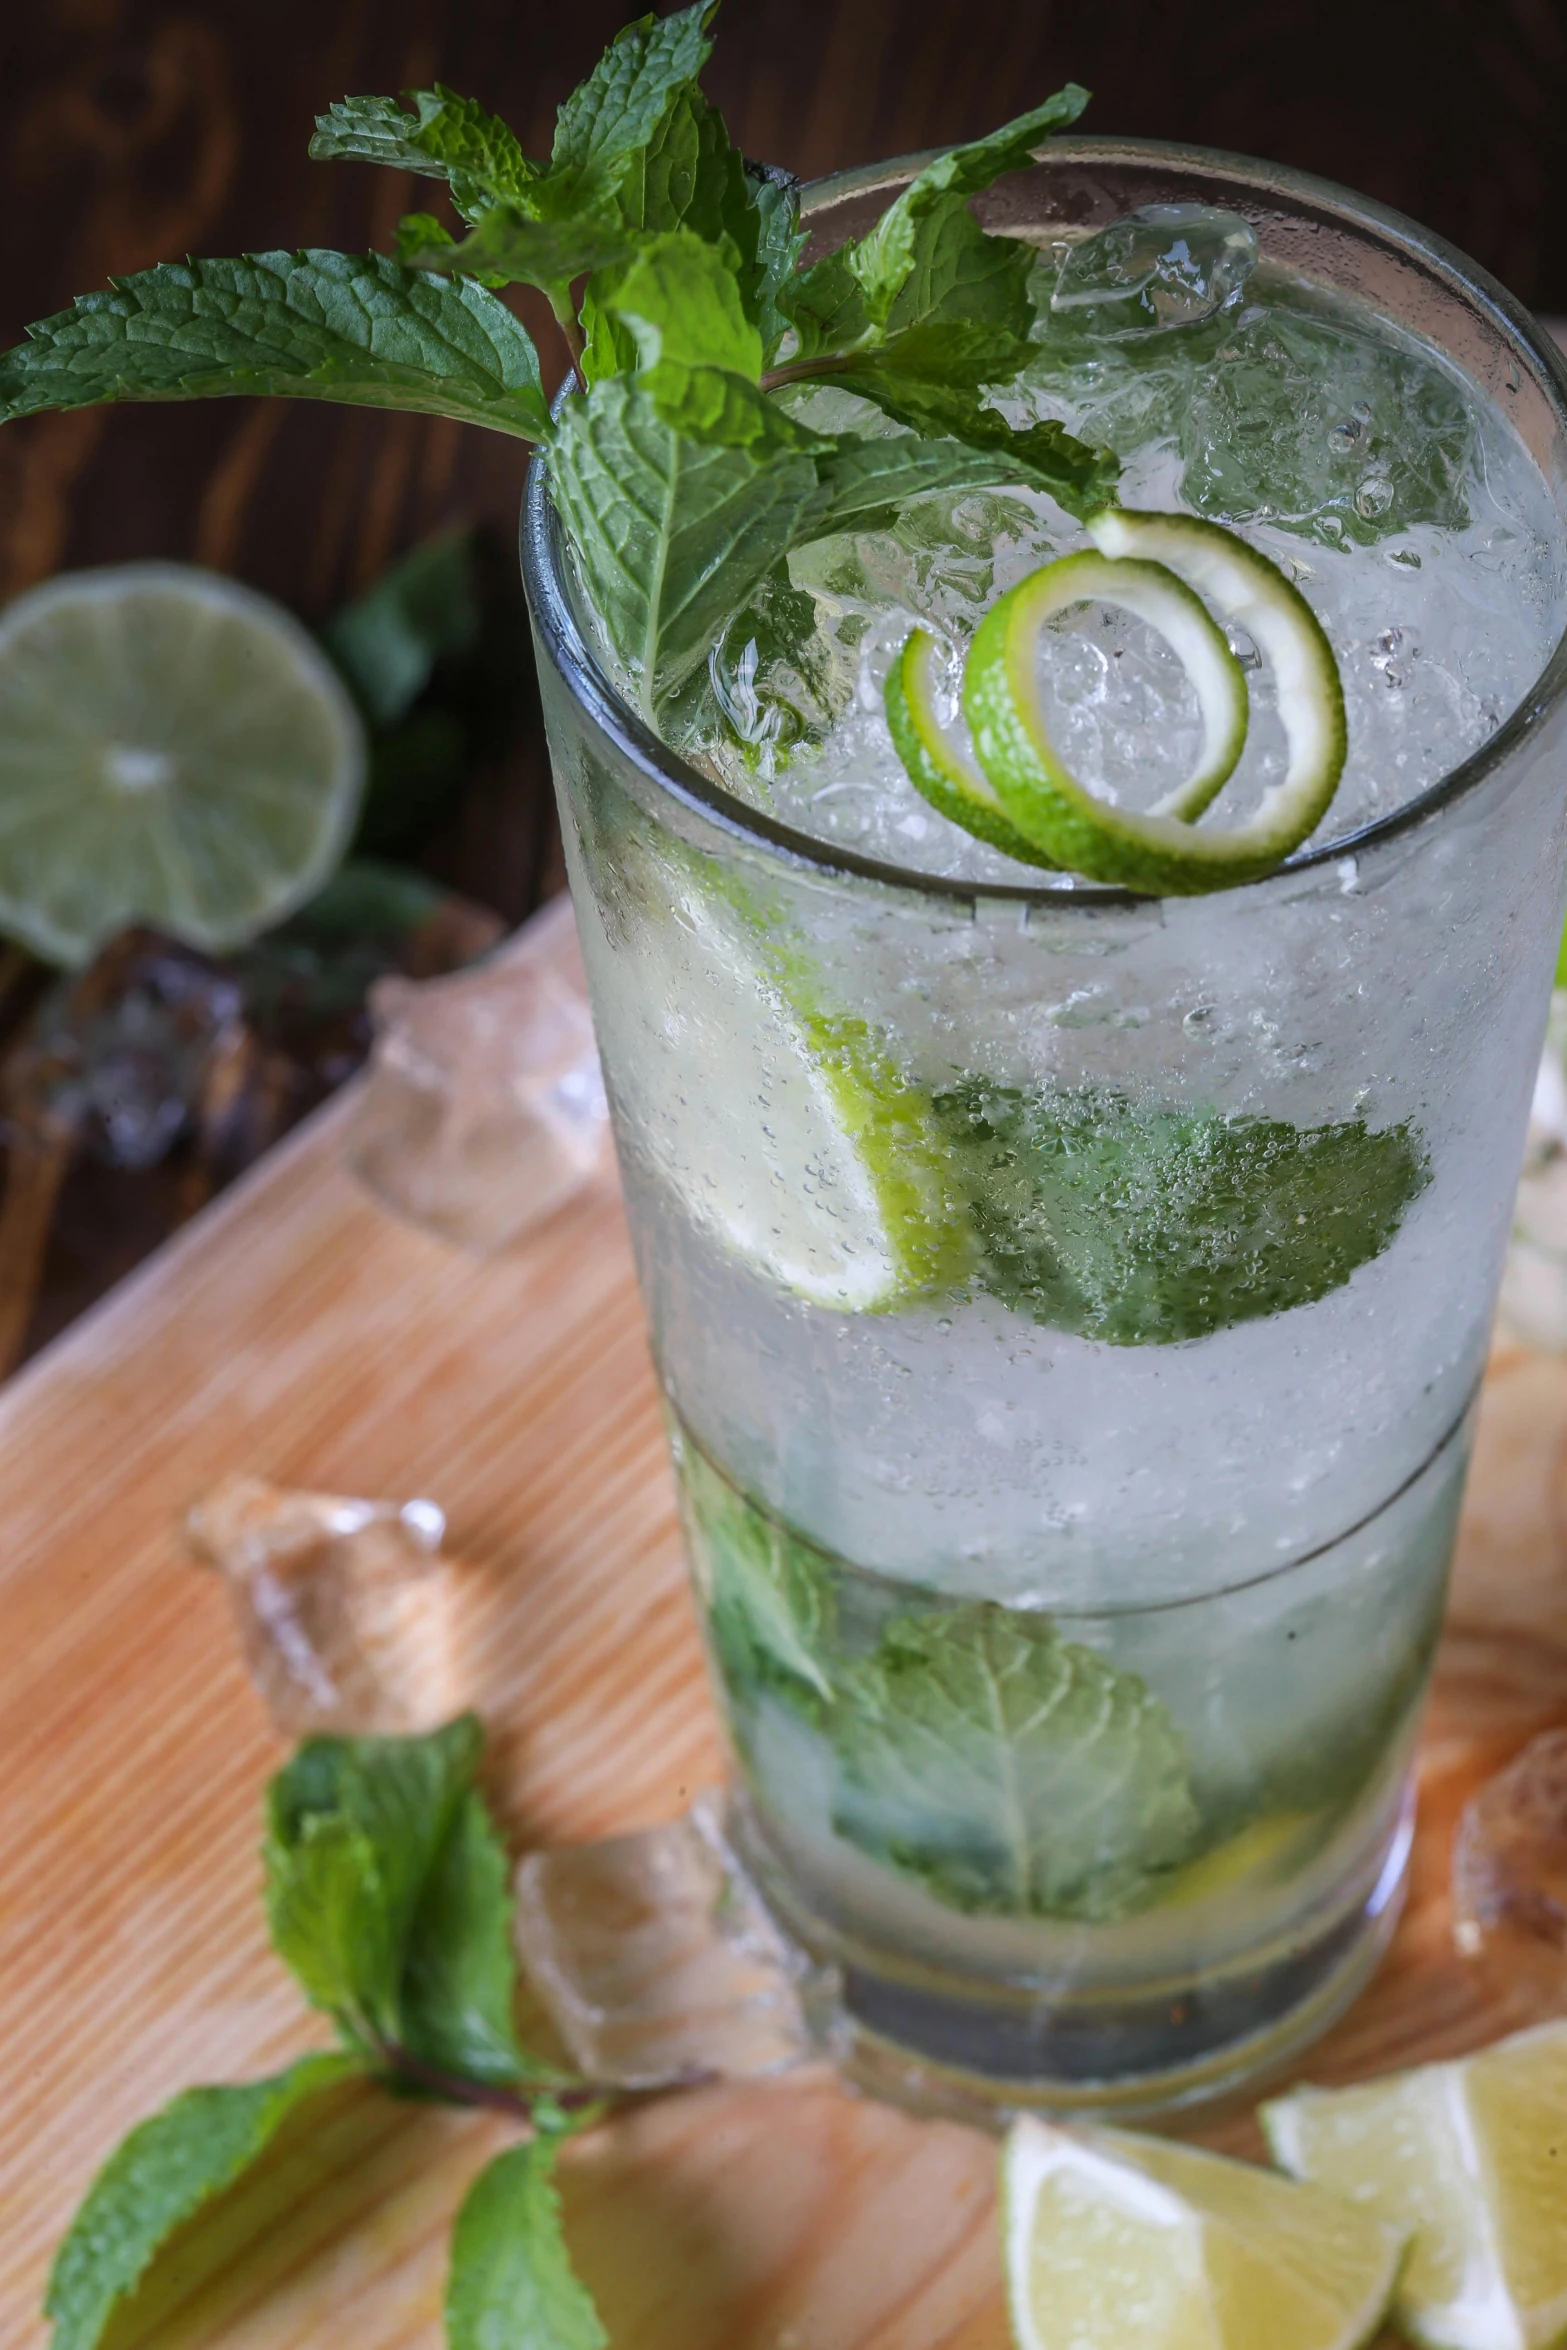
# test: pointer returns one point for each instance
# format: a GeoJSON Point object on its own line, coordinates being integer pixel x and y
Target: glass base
{"type": "Point", "coordinates": [981, 2053]}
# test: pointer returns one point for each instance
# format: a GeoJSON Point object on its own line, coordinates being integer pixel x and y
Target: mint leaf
{"type": "Point", "coordinates": [669, 535]}
{"type": "Point", "coordinates": [316, 325]}
{"type": "Point", "coordinates": [508, 247]}
{"type": "Point", "coordinates": [934, 377]}
{"type": "Point", "coordinates": [355, 1831]}
{"type": "Point", "coordinates": [867, 482]}
{"type": "Point", "coordinates": [617, 110]}
{"type": "Point", "coordinates": [161, 2175]}
{"type": "Point", "coordinates": [780, 240]}
{"type": "Point", "coordinates": [511, 2285]}
{"type": "Point", "coordinates": [767, 1592]}
{"type": "Point", "coordinates": [1144, 1224]}
{"type": "Point", "coordinates": [440, 135]}
{"type": "Point", "coordinates": [388, 641]}
{"type": "Point", "coordinates": [882, 262]}
{"type": "Point", "coordinates": [697, 356]}
{"type": "Point", "coordinates": [1015, 1773]}
{"type": "Point", "coordinates": [460, 1975]}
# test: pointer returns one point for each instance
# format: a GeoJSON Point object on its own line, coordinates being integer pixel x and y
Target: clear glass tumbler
{"type": "Point", "coordinates": [1072, 1643]}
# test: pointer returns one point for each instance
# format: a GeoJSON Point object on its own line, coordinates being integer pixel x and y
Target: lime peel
{"type": "Point", "coordinates": [941, 767]}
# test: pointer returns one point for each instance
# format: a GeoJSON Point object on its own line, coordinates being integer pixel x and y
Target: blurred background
{"type": "Point", "coordinates": [138, 130]}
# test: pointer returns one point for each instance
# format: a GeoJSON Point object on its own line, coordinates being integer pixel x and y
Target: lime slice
{"type": "Point", "coordinates": [1133, 564]}
{"type": "Point", "coordinates": [1112, 2239]}
{"type": "Point", "coordinates": [940, 765]}
{"type": "Point", "coordinates": [1472, 2157]}
{"type": "Point", "coordinates": [174, 749]}
{"type": "Point", "coordinates": [780, 1120]}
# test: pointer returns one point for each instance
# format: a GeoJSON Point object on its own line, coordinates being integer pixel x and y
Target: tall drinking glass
{"type": "Point", "coordinates": [1072, 1623]}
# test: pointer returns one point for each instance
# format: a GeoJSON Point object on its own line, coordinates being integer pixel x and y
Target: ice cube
{"type": "Point", "coordinates": [1510, 1863]}
{"type": "Point", "coordinates": [343, 1605]}
{"type": "Point", "coordinates": [1168, 265]}
{"type": "Point", "coordinates": [124, 1054]}
{"type": "Point", "coordinates": [656, 1959]}
{"type": "Point", "coordinates": [484, 1106]}
{"type": "Point", "coordinates": [1328, 432]}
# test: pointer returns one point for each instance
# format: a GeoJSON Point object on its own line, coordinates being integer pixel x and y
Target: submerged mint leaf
{"type": "Point", "coordinates": [355, 1830]}
{"type": "Point", "coordinates": [511, 2285]}
{"type": "Point", "coordinates": [933, 378]}
{"type": "Point", "coordinates": [159, 2177]}
{"type": "Point", "coordinates": [1015, 1773]}
{"type": "Point", "coordinates": [439, 135]}
{"type": "Point", "coordinates": [768, 1592]}
{"type": "Point", "coordinates": [868, 482]}
{"type": "Point", "coordinates": [670, 535]}
{"type": "Point", "coordinates": [1143, 1224]}
{"type": "Point", "coordinates": [314, 325]}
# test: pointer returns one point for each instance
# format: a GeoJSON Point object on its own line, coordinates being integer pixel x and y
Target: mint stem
{"type": "Point", "coordinates": [456, 2089]}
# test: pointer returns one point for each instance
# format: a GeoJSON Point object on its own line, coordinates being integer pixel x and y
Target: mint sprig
{"type": "Point", "coordinates": [672, 266]}
{"type": "Point", "coordinates": [388, 1897]}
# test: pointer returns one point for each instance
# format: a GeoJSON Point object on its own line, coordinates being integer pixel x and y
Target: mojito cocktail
{"type": "Point", "coordinates": [1070, 1300]}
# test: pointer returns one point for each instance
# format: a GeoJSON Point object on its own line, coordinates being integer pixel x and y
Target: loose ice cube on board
{"type": "Point", "coordinates": [484, 1108]}
{"type": "Point", "coordinates": [343, 1606]}
{"type": "Point", "coordinates": [656, 1959]}
{"type": "Point", "coordinates": [1510, 1861]}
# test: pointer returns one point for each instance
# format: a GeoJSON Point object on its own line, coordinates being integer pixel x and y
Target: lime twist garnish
{"type": "Point", "coordinates": [1013, 789]}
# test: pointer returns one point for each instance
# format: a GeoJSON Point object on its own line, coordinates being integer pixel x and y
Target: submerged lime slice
{"type": "Point", "coordinates": [1133, 564]}
{"type": "Point", "coordinates": [174, 749]}
{"type": "Point", "coordinates": [939, 763]}
{"type": "Point", "coordinates": [780, 1120]}
{"type": "Point", "coordinates": [1471, 2157]}
{"type": "Point", "coordinates": [1112, 2239]}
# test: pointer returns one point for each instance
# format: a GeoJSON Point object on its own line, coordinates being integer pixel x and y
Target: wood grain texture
{"type": "Point", "coordinates": [297, 1331]}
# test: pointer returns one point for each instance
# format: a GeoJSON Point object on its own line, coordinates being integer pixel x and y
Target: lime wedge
{"type": "Point", "coordinates": [780, 1120]}
{"type": "Point", "coordinates": [1472, 2157]}
{"type": "Point", "coordinates": [174, 749]}
{"type": "Point", "coordinates": [1112, 2239]}
{"type": "Point", "coordinates": [1134, 564]}
{"type": "Point", "coordinates": [940, 765]}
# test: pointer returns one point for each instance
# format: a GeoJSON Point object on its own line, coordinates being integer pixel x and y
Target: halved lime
{"type": "Point", "coordinates": [1472, 2158]}
{"type": "Point", "coordinates": [174, 749]}
{"type": "Point", "coordinates": [781, 1120]}
{"type": "Point", "coordinates": [1134, 563]}
{"type": "Point", "coordinates": [939, 763]}
{"type": "Point", "coordinates": [1113, 2240]}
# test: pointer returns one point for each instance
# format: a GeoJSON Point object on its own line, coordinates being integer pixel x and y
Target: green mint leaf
{"type": "Point", "coordinates": [1013, 1772]}
{"type": "Point", "coordinates": [355, 1831]}
{"type": "Point", "coordinates": [697, 355]}
{"type": "Point", "coordinates": [933, 378]}
{"type": "Point", "coordinates": [508, 247]}
{"type": "Point", "coordinates": [669, 535]}
{"type": "Point", "coordinates": [388, 641]}
{"type": "Point", "coordinates": [314, 325]}
{"type": "Point", "coordinates": [767, 1594]}
{"type": "Point", "coordinates": [618, 109]}
{"type": "Point", "coordinates": [780, 240]}
{"type": "Point", "coordinates": [680, 301]}
{"type": "Point", "coordinates": [460, 1975]}
{"type": "Point", "coordinates": [161, 2175]}
{"type": "Point", "coordinates": [441, 136]}
{"type": "Point", "coordinates": [882, 261]}
{"type": "Point", "coordinates": [867, 482]}
{"type": "Point", "coordinates": [1145, 1224]}
{"type": "Point", "coordinates": [511, 2285]}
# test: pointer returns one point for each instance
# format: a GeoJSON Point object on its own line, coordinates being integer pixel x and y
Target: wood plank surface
{"type": "Point", "coordinates": [299, 1332]}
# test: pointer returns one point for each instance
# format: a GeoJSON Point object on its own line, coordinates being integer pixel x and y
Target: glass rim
{"type": "Point", "coordinates": [702, 796]}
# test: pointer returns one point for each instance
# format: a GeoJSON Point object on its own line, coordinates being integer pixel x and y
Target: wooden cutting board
{"type": "Point", "coordinates": [297, 1331]}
